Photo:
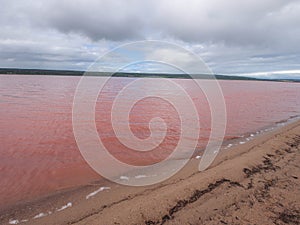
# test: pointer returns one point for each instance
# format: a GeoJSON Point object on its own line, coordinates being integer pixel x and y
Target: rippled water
{"type": "Point", "coordinates": [38, 150]}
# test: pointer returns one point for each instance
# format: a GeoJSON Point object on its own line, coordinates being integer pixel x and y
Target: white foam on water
{"type": "Point", "coordinates": [140, 176]}
{"type": "Point", "coordinates": [96, 192]}
{"type": "Point", "coordinates": [40, 215]}
{"type": "Point", "coordinates": [198, 157]}
{"type": "Point", "coordinates": [12, 221]}
{"type": "Point", "coordinates": [65, 207]}
{"type": "Point", "coordinates": [124, 178]}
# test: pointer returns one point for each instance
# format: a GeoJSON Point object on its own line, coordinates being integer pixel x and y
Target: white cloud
{"type": "Point", "coordinates": [231, 36]}
{"type": "Point", "coordinates": [294, 74]}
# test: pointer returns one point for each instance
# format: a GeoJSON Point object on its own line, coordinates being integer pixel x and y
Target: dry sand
{"type": "Point", "coordinates": [254, 183]}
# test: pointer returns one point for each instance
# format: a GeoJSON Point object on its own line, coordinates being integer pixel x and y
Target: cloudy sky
{"type": "Point", "coordinates": [255, 37]}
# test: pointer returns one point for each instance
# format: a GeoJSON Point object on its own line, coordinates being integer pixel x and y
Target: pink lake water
{"type": "Point", "coordinates": [39, 154]}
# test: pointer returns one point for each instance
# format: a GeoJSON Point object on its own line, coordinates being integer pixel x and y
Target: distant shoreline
{"type": "Point", "coordinates": [18, 71]}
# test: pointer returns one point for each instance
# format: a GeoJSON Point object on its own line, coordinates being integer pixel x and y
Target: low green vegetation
{"type": "Point", "coordinates": [123, 74]}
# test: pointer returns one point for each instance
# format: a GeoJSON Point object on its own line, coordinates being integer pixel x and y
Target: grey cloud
{"type": "Point", "coordinates": [233, 22]}
{"type": "Point", "coordinates": [104, 19]}
{"type": "Point", "coordinates": [231, 36]}
{"type": "Point", "coordinates": [264, 24]}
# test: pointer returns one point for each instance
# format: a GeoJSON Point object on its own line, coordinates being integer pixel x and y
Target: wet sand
{"type": "Point", "coordinates": [252, 183]}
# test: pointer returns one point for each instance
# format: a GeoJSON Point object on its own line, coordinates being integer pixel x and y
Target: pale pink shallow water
{"type": "Point", "coordinates": [38, 150]}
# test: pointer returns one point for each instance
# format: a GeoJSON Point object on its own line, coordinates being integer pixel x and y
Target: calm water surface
{"type": "Point", "coordinates": [38, 150]}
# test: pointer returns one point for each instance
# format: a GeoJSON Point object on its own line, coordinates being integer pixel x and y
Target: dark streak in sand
{"type": "Point", "coordinates": [288, 216]}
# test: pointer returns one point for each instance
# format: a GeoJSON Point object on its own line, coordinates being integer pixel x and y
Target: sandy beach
{"type": "Point", "coordinates": [252, 183]}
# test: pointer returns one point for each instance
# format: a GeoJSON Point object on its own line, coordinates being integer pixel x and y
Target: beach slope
{"type": "Point", "coordinates": [257, 183]}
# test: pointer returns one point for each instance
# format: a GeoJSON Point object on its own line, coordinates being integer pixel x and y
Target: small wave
{"type": "Point", "coordinates": [124, 178]}
{"type": "Point", "coordinates": [41, 215]}
{"type": "Point", "coordinates": [12, 221]}
{"type": "Point", "coordinates": [140, 176]}
{"type": "Point", "coordinates": [65, 206]}
{"type": "Point", "coordinates": [229, 145]}
{"type": "Point", "coordinates": [96, 192]}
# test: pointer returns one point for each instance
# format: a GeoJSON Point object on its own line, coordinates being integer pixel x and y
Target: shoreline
{"type": "Point", "coordinates": [227, 144]}
{"type": "Point", "coordinates": [72, 206]}
{"type": "Point", "coordinates": [74, 73]}
{"type": "Point", "coordinates": [244, 138]}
